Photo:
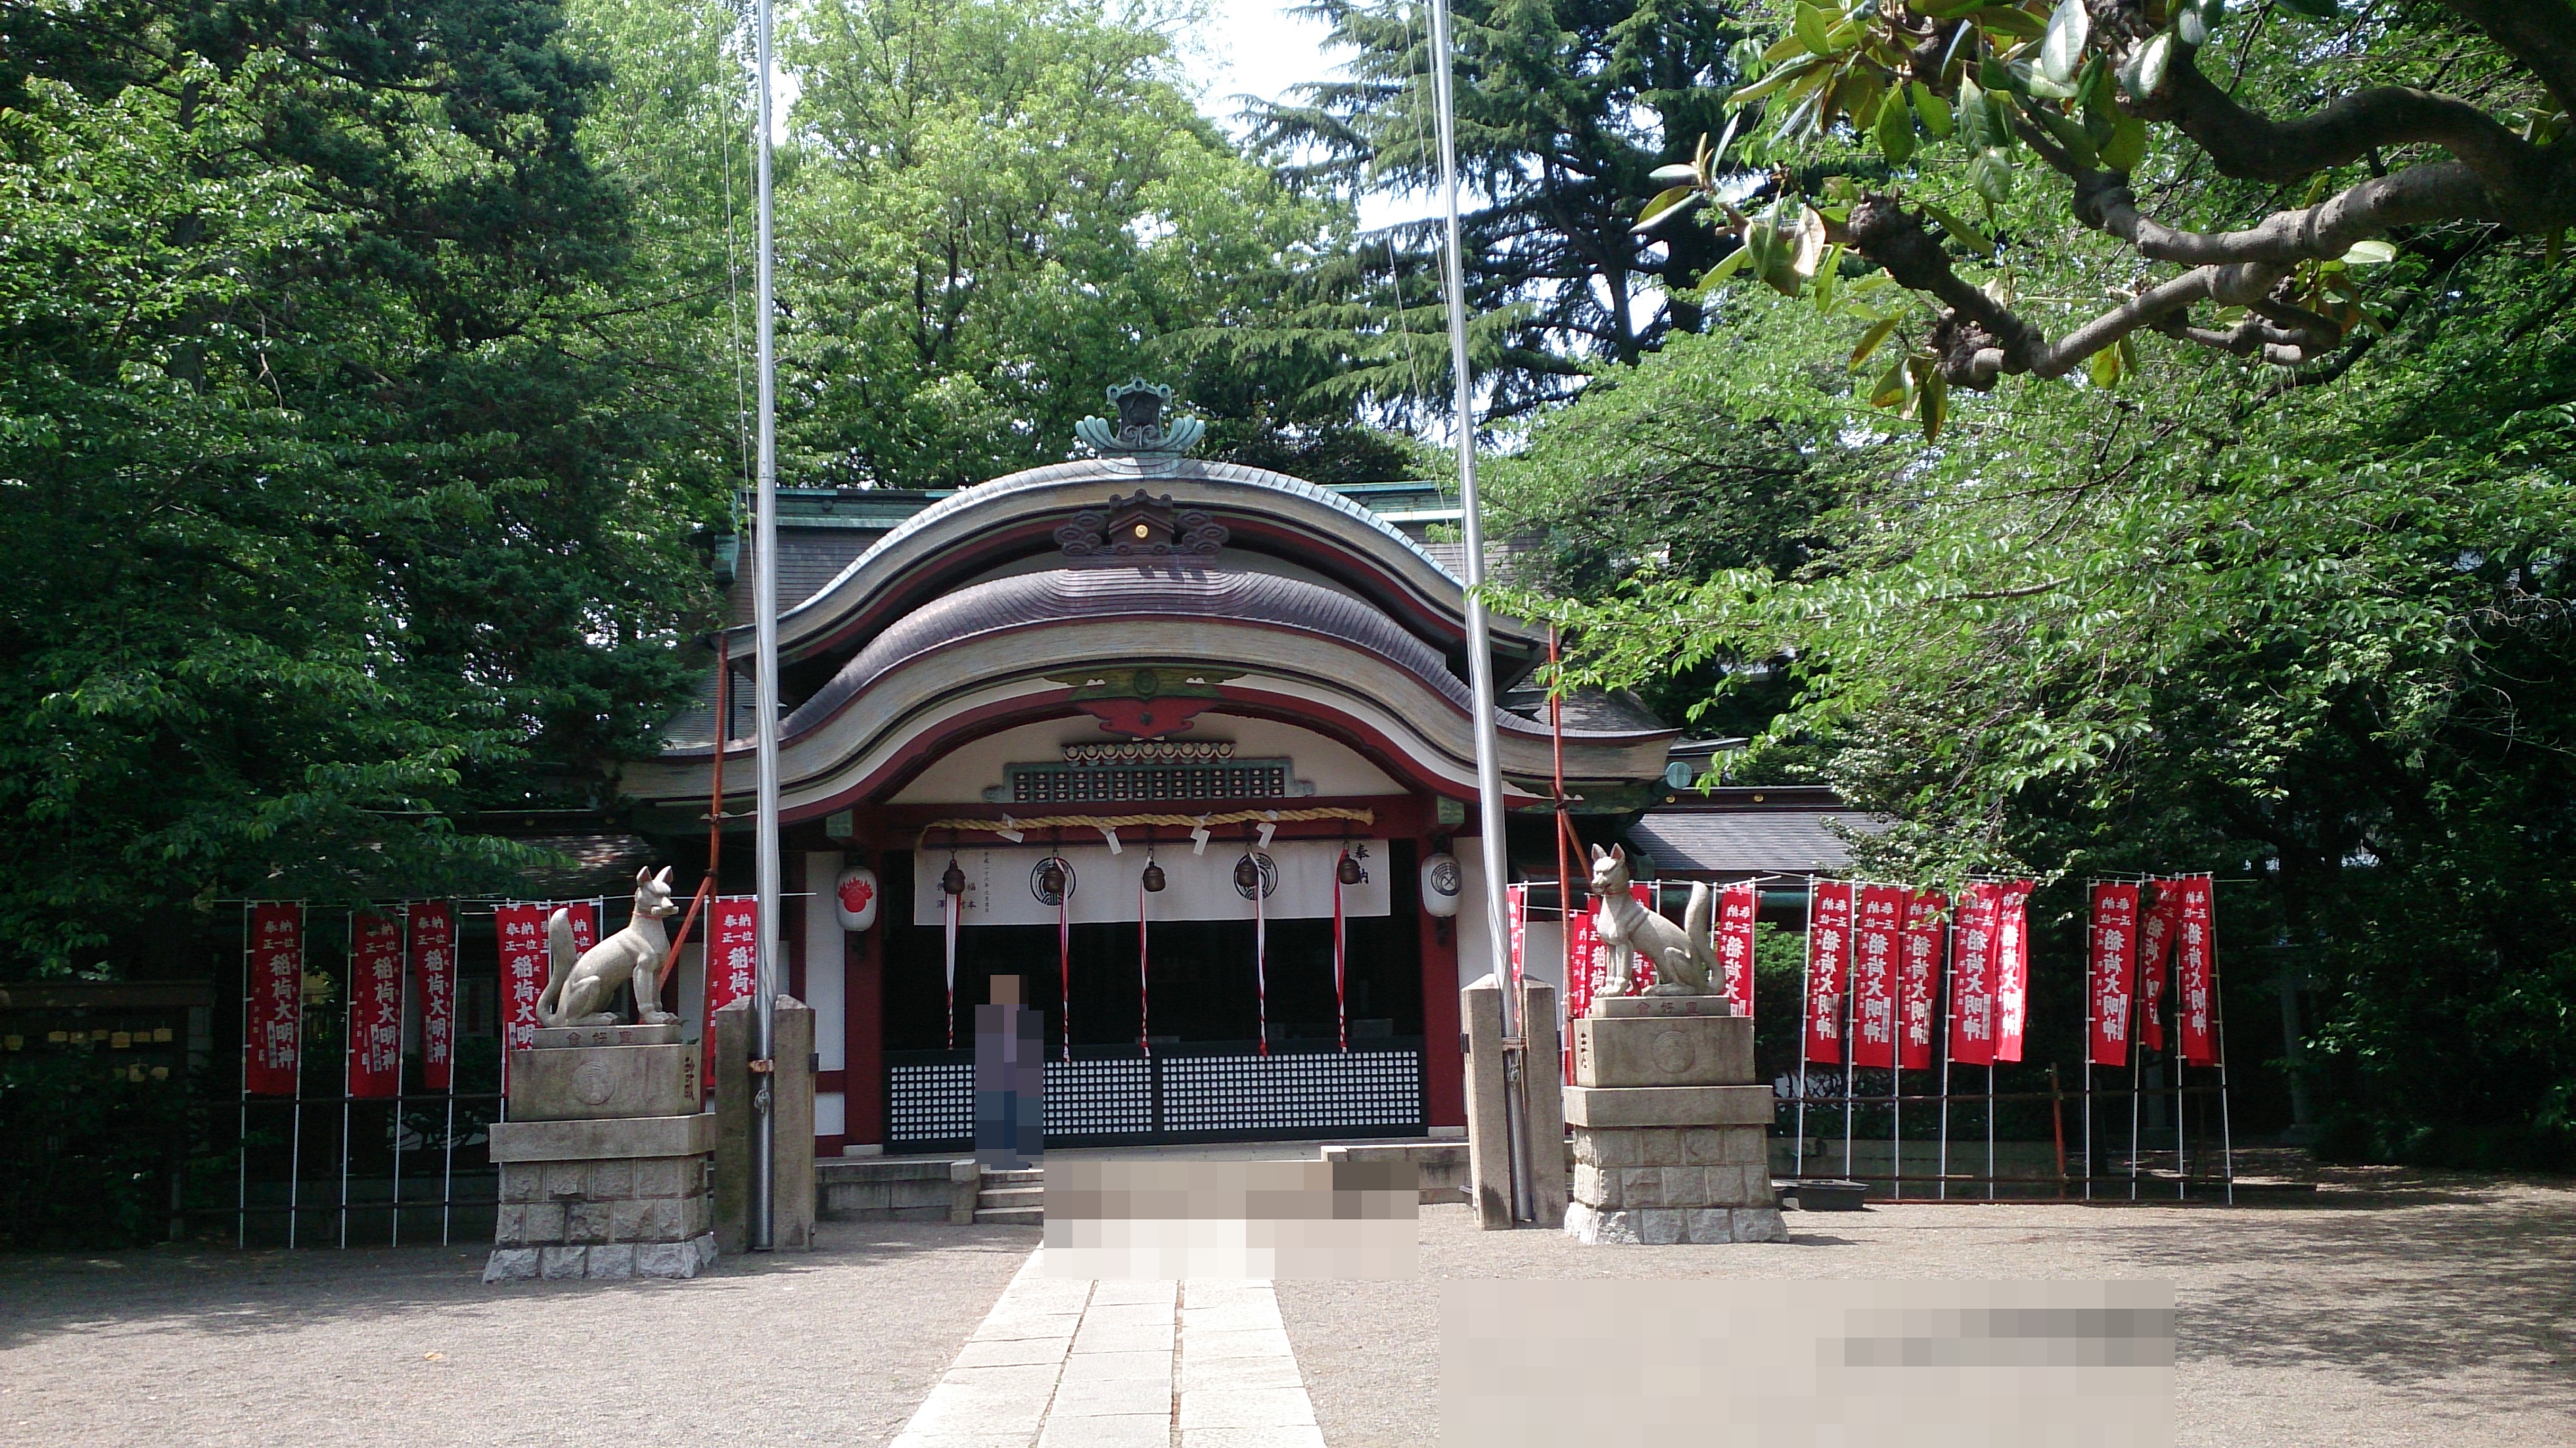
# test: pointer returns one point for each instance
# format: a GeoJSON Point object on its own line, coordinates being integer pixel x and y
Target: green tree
{"type": "Point", "coordinates": [1565, 110]}
{"type": "Point", "coordinates": [991, 209]}
{"type": "Point", "coordinates": [326, 508]}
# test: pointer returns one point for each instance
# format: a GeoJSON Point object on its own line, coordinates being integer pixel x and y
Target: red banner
{"type": "Point", "coordinates": [2110, 971]}
{"type": "Point", "coordinates": [2012, 970]}
{"type": "Point", "coordinates": [1516, 920]}
{"type": "Point", "coordinates": [375, 1005]}
{"type": "Point", "coordinates": [2156, 935]}
{"type": "Point", "coordinates": [433, 966]}
{"type": "Point", "coordinates": [1829, 932]}
{"type": "Point", "coordinates": [1585, 962]}
{"type": "Point", "coordinates": [733, 943]}
{"type": "Point", "coordinates": [1881, 918]}
{"type": "Point", "coordinates": [522, 933]}
{"type": "Point", "coordinates": [273, 1016]}
{"type": "Point", "coordinates": [1918, 986]}
{"type": "Point", "coordinates": [1737, 905]}
{"type": "Point", "coordinates": [2196, 971]}
{"type": "Point", "coordinates": [1972, 975]}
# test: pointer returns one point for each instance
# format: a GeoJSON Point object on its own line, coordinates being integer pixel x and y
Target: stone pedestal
{"type": "Point", "coordinates": [1669, 1129]}
{"type": "Point", "coordinates": [605, 1162]}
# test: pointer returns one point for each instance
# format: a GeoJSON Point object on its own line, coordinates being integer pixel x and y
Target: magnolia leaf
{"type": "Point", "coordinates": [2069, 26]}
{"type": "Point", "coordinates": [1783, 48]}
{"type": "Point", "coordinates": [2146, 68]}
{"type": "Point", "coordinates": [2029, 81]}
{"type": "Point", "coordinates": [1665, 206]}
{"type": "Point", "coordinates": [1809, 251]}
{"type": "Point", "coordinates": [1948, 9]}
{"type": "Point", "coordinates": [1828, 272]}
{"type": "Point", "coordinates": [2103, 367]}
{"type": "Point", "coordinates": [1992, 174]}
{"type": "Point", "coordinates": [1915, 369]}
{"type": "Point", "coordinates": [2069, 134]}
{"type": "Point", "coordinates": [1814, 31]}
{"type": "Point", "coordinates": [1870, 340]}
{"type": "Point", "coordinates": [1935, 403]}
{"type": "Point", "coordinates": [1892, 385]}
{"type": "Point", "coordinates": [2004, 20]}
{"type": "Point", "coordinates": [1677, 174]}
{"type": "Point", "coordinates": [1776, 80]}
{"type": "Point", "coordinates": [1727, 266]}
{"type": "Point", "coordinates": [1895, 127]}
{"type": "Point", "coordinates": [1962, 232]}
{"type": "Point", "coordinates": [1929, 105]}
{"type": "Point", "coordinates": [2189, 28]}
{"type": "Point", "coordinates": [2129, 349]}
{"type": "Point", "coordinates": [2369, 253]}
{"type": "Point", "coordinates": [2127, 146]}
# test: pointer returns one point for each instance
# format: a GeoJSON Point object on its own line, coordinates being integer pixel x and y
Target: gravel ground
{"type": "Point", "coordinates": [407, 1346]}
{"type": "Point", "coordinates": [2392, 1311]}
{"type": "Point", "coordinates": [2396, 1310]}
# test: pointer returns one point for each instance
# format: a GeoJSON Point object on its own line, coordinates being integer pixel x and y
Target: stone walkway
{"type": "Point", "coordinates": [1067, 1363]}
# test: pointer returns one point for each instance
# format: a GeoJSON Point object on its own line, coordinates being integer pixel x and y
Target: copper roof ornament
{"type": "Point", "coordinates": [1140, 428]}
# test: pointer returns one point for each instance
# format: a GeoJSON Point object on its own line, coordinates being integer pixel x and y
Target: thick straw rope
{"type": "Point", "coordinates": [1120, 822]}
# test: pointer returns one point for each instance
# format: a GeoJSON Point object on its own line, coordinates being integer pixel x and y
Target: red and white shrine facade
{"type": "Point", "coordinates": [1132, 661]}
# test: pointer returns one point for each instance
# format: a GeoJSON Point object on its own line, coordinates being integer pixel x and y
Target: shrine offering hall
{"type": "Point", "coordinates": [1184, 746]}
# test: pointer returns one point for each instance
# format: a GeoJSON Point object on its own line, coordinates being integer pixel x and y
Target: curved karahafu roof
{"type": "Point", "coordinates": [1026, 601]}
{"type": "Point", "coordinates": [1015, 517]}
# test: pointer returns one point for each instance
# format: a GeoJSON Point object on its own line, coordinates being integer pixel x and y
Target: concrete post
{"type": "Point", "coordinates": [1489, 1152]}
{"type": "Point", "coordinates": [1543, 1082]}
{"type": "Point", "coordinates": [791, 1085]}
{"type": "Point", "coordinates": [731, 1081]}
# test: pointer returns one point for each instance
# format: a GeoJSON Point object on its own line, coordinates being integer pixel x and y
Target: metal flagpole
{"type": "Point", "coordinates": [1990, 1131]}
{"type": "Point", "coordinates": [764, 979]}
{"type": "Point", "coordinates": [1480, 658]}
{"type": "Point", "coordinates": [2218, 1023]}
{"type": "Point", "coordinates": [2137, 1064]}
{"type": "Point", "coordinates": [295, 1149]}
{"type": "Point", "coordinates": [1949, 1009]}
{"type": "Point", "coordinates": [1806, 1007]}
{"type": "Point", "coordinates": [241, 1127]}
{"type": "Point", "coordinates": [402, 1014]}
{"type": "Point", "coordinates": [2088, 1040]}
{"type": "Point", "coordinates": [1851, 1018]}
{"type": "Point", "coordinates": [348, 1060]}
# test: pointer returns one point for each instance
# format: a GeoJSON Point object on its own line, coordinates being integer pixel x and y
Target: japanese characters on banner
{"type": "Point", "coordinates": [2110, 971]}
{"type": "Point", "coordinates": [522, 933]}
{"type": "Point", "coordinates": [375, 1005]}
{"type": "Point", "coordinates": [2012, 970]}
{"type": "Point", "coordinates": [1587, 963]}
{"type": "Point", "coordinates": [273, 1015]}
{"type": "Point", "coordinates": [1880, 917]}
{"type": "Point", "coordinates": [1829, 932]}
{"type": "Point", "coordinates": [433, 968]}
{"type": "Point", "coordinates": [1516, 914]}
{"type": "Point", "coordinates": [2156, 934]}
{"type": "Point", "coordinates": [1972, 975]}
{"type": "Point", "coordinates": [2195, 972]}
{"type": "Point", "coordinates": [1736, 907]}
{"type": "Point", "coordinates": [1918, 985]}
{"type": "Point", "coordinates": [733, 944]}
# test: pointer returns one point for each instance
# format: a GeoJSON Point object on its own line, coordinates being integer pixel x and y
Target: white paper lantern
{"type": "Point", "coordinates": [854, 898]}
{"type": "Point", "coordinates": [1441, 882]}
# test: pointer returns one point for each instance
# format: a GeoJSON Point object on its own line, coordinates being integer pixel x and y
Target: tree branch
{"type": "Point", "coordinates": [2537, 34]}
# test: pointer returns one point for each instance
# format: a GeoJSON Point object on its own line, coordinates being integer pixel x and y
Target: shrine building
{"type": "Point", "coordinates": [1160, 734]}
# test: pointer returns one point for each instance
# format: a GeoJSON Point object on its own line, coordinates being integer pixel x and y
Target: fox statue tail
{"type": "Point", "coordinates": [561, 952]}
{"type": "Point", "coordinates": [1699, 926]}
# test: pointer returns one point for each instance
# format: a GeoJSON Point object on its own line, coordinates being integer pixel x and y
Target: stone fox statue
{"type": "Point", "coordinates": [1684, 955]}
{"type": "Point", "coordinates": [583, 992]}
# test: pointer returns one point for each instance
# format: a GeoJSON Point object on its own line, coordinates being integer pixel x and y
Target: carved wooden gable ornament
{"type": "Point", "coordinates": [1142, 526]}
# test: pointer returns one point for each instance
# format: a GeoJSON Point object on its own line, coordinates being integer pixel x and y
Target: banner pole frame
{"type": "Point", "coordinates": [1806, 1008]}
{"type": "Point", "coordinates": [2137, 1065]}
{"type": "Point", "coordinates": [348, 1062]}
{"type": "Point", "coordinates": [241, 1125]}
{"type": "Point", "coordinates": [2218, 1026]}
{"type": "Point", "coordinates": [295, 1149]}
{"type": "Point", "coordinates": [1850, 1008]}
{"type": "Point", "coordinates": [402, 1017]}
{"type": "Point", "coordinates": [2090, 925]}
{"type": "Point", "coordinates": [1949, 1023]}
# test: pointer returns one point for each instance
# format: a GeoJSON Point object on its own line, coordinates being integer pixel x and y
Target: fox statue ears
{"type": "Point", "coordinates": [646, 876]}
{"type": "Point", "coordinates": [1616, 854]}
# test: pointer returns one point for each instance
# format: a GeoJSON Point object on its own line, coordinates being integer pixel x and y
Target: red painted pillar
{"type": "Point", "coordinates": [863, 1023]}
{"type": "Point", "coordinates": [1444, 1065]}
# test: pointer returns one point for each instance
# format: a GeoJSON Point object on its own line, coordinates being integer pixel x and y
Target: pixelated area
{"type": "Point", "coordinates": [1790, 1364]}
{"type": "Point", "coordinates": [1280, 1220]}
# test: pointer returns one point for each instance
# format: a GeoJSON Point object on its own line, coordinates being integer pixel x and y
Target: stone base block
{"type": "Point", "coordinates": [1664, 1051]}
{"type": "Point", "coordinates": [666, 1034]}
{"type": "Point", "coordinates": [602, 1262]}
{"type": "Point", "coordinates": [1674, 1106]}
{"type": "Point", "coordinates": [1632, 1007]}
{"type": "Point", "coordinates": [1662, 1226]}
{"type": "Point", "coordinates": [593, 1083]}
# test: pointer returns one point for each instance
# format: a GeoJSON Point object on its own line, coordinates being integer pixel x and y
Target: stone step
{"type": "Point", "coordinates": [1027, 1175]}
{"type": "Point", "coordinates": [1011, 1197]}
{"type": "Point", "coordinates": [1011, 1216]}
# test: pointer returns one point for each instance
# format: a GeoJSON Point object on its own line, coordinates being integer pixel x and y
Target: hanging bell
{"type": "Point", "coordinates": [1153, 878]}
{"type": "Point", "coordinates": [952, 881]}
{"type": "Point", "coordinates": [1051, 879]}
{"type": "Point", "coordinates": [1349, 870]}
{"type": "Point", "coordinates": [1247, 874]}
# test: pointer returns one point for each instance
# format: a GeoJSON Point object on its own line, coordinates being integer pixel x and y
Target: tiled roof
{"type": "Point", "coordinates": [1787, 842]}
